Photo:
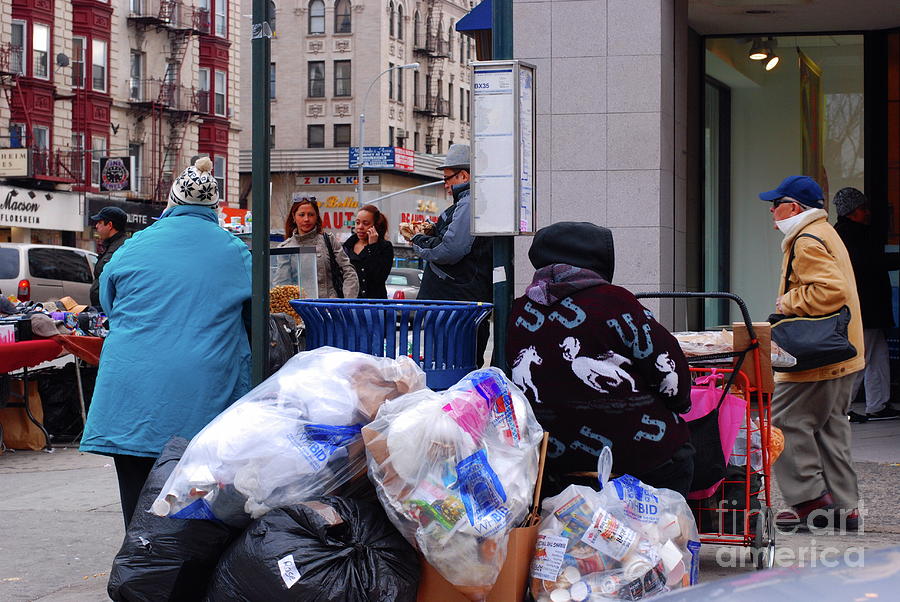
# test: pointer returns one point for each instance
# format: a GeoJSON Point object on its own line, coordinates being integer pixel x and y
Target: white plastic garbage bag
{"type": "Point", "coordinates": [295, 436]}
{"type": "Point", "coordinates": [455, 472]}
{"type": "Point", "coordinates": [628, 541]}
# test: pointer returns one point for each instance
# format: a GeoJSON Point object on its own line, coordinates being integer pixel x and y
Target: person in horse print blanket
{"type": "Point", "coordinates": [598, 369]}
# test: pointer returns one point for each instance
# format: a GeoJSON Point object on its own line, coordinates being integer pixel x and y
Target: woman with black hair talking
{"type": "Point", "coordinates": [370, 253]}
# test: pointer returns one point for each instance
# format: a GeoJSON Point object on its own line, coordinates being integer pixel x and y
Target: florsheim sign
{"type": "Point", "coordinates": [41, 209]}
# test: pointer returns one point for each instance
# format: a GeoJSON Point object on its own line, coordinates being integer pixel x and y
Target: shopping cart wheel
{"type": "Point", "coordinates": [764, 541]}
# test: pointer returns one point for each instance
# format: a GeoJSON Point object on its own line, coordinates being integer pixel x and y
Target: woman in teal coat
{"type": "Point", "coordinates": [177, 353]}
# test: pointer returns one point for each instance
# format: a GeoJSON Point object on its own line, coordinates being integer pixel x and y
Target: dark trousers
{"type": "Point", "coordinates": [132, 471]}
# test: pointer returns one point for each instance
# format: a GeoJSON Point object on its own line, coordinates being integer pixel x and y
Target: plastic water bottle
{"type": "Point", "coordinates": [248, 222]}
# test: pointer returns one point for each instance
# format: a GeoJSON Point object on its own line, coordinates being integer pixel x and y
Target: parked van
{"type": "Point", "coordinates": [46, 272]}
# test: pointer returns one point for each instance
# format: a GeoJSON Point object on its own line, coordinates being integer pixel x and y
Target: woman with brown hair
{"type": "Point", "coordinates": [371, 254]}
{"type": "Point", "coordinates": [303, 228]}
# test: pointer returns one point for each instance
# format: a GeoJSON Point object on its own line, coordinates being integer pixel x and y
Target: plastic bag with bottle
{"type": "Point", "coordinates": [293, 437]}
{"type": "Point", "coordinates": [628, 541]}
{"type": "Point", "coordinates": [455, 472]}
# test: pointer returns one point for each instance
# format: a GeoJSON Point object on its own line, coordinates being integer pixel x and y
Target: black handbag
{"type": "Point", "coordinates": [815, 341]}
{"type": "Point", "coordinates": [337, 276]}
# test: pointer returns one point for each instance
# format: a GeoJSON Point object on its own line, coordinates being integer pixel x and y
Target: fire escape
{"type": "Point", "coordinates": [165, 105]}
{"type": "Point", "coordinates": [432, 49]}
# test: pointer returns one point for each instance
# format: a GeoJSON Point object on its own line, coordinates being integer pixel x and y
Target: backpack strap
{"type": "Point", "coordinates": [790, 265]}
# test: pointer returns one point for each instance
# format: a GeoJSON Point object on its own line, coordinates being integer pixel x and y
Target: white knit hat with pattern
{"type": "Point", "coordinates": [196, 186]}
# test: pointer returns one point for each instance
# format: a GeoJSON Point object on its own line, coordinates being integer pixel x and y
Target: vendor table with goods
{"type": "Point", "coordinates": [23, 355]}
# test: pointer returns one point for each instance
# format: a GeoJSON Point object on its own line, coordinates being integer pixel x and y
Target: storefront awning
{"type": "Point", "coordinates": [479, 18]}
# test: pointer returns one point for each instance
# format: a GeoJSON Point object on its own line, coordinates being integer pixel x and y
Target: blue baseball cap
{"type": "Point", "coordinates": [802, 189]}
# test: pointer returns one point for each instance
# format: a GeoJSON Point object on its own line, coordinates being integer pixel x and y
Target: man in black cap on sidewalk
{"type": "Point", "coordinates": [110, 225]}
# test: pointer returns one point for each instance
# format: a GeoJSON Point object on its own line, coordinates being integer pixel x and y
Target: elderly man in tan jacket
{"type": "Point", "coordinates": [815, 472]}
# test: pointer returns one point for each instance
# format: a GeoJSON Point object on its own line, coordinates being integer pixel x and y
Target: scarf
{"type": "Point", "coordinates": [792, 225]}
{"type": "Point", "coordinates": [556, 281]}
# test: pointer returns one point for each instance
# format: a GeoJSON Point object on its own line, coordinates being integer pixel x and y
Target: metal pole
{"type": "Point", "coordinates": [261, 49]}
{"type": "Point", "coordinates": [502, 48]}
{"type": "Point", "coordinates": [389, 195]}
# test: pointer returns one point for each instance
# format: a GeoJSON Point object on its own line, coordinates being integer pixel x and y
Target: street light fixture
{"type": "Point", "coordinates": [362, 128]}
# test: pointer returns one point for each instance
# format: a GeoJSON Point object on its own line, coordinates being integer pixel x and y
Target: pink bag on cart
{"type": "Point", "coordinates": [712, 414]}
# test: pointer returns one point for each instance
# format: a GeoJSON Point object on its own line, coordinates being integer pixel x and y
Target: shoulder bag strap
{"type": "Point", "coordinates": [790, 265]}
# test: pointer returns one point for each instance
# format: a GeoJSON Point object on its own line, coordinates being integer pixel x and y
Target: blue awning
{"type": "Point", "coordinates": [479, 18]}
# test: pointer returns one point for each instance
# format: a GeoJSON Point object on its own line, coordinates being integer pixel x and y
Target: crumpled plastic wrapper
{"type": "Point", "coordinates": [455, 472]}
{"type": "Point", "coordinates": [294, 437]}
{"type": "Point", "coordinates": [711, 342]}
{"type": "Point", "coordinates": [628, 541]}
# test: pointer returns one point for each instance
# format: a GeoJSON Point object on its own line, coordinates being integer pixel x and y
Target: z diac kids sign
{"type": "Point", "coordinates": [40, 209]}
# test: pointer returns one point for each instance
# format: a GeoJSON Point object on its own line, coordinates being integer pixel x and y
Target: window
{"type": "Point", "coordinates": [59, 264]}
{"type": "Point", "coordinates": [462, 103]}
{"type": "Point", "coordinates": [41, 135]}
{"type": "Point", "coordinates": [342, 78]}
{"type": "Point", "coordinates": [392, 14]}
{"type": "Point", "coordinates": [450, 41]}
{"type": "Point", "coordinates": [416, 87]}
{"type": "Point", "coordinates": [315, 136]}
{"type": "Point", "coordinates": [78, 148]}
{"type": "Point", "coordinates": [271, 136]}
{"type": "Point", "coordinates": [391, 80]}
{"type": "Point", "coordinates": [462, 47]}
{"type": "Point", "coordinates": [272, 81]}
{"type": "Point", "coordinates": [220, 93]}
{"type": "Point", "coordinates": [271, 17]}
{"type": "Point", "coordinates": [440, 145]}
{"type": "Point", "coordinates": [17, 48]}
{"type": "Point", "coordinates": [18, 135]}
{"type": "Point", "coordinates": [468, 49]}
{"type": "Point", "coordinates": [98, 65]}
{"type": "Point", "coordinates": [342, 23]}
{"type": "Point", "coordinates": [137, 71]}
{"type": "Point", "coordinates": [390, 135]}
{"type": "Point", "coordinates": [316, 17]}
{"type": "Point", "coordinates": [221, 18]}
{"type": "Point", "coordinates": [219, 174]}
{"type": "Point", "coordinates": [203, 100]}
{"type": "Point", "coordinates": [41, 45]}
{"type": "Point", "coordinates": [400, 73]}
{"type": "Point", "coordinates": [450, 100]}
{"type": "Point", "coordinates": [134, 150]}
{"type": "Point", "coordinates": [134, 7]}
{"type": "Point", "coordinates": [78, 50]}
{"type": "Point", "coordinates": [341, 135]}
{"type": "Point", "coordinates": [416, 27]}
{"type": "Point", "coordinates": [98, 150]}
{"type": "Point", "coordinates": [399, 21]}
{"type": "Point", "coordinates": [316, 79]}
{"type": "Point", "coordinates": [416, 146]}
{"type": "Point", "coordinates": [468, 106]}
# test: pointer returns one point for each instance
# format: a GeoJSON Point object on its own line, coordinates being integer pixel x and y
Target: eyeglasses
{"type": "Point", "coordinates": [453, 175]}
{"type": "Point", "coordinates": [779, 202]}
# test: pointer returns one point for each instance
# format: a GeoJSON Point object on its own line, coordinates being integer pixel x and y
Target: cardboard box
{"type": "Point", "coordinates": [71, 305]}
{"type": "Point", "coordinates": [763, 332]}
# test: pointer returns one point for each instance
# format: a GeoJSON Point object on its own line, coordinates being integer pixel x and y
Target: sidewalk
{"type": "Point", "coordinates": [61, 525]}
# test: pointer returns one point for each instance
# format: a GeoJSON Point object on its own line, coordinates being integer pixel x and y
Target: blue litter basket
{"type": "Point", "coordinates": [439, 335]}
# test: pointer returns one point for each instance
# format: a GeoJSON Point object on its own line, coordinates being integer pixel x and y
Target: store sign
{"type": "Point", "coordinates": [115, 173]}
{"type": "Point", "coordinates": [40, 209]}
{"type": "Point", "coordinates": [334, 180]}
{"type": "Point", "coordinates": [382, 157]}
{"type": "Point", "coordinates": [140, 215]}
{"type": "Point", "coordinates": [14, 162]}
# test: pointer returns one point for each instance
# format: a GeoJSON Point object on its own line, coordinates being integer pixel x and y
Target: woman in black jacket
{"type": "Point", "coordinates": [370, 253]}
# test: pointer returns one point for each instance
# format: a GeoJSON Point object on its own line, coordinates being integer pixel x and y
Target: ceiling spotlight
{"type": "Point", "coordinates": [772, 62]}
{"type": "Point", "coordinates": [759, 50]}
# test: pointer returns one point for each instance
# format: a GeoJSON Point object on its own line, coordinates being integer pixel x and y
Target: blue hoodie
{"type": "Point", "coordinates": [177, 353]}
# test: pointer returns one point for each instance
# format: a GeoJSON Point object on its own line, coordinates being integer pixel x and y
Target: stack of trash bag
{"type": "Point", "coordinates": [163, 558]}
{"type": "Point", "coordinates": [294, 437]}
{"type": "Point", "coordinates": [455, 472]}
{"type": "Point", "coordinates": [330, 549]}
{"type": "Point", "coordinates": [629, 541]}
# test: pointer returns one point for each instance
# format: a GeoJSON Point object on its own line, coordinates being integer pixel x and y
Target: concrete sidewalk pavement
{"type": "Point", "coordinates": [61, 526]}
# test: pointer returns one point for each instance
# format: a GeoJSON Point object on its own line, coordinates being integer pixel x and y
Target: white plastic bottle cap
{"type": "Point", "coordinates": [579, 591]}
{"type": "Point", "coordinates": [571, 574]}
{"type": "Point", "coordinates": [560, 595]}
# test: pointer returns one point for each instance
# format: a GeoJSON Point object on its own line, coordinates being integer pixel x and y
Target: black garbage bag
{"type": "Point", "coordinates": [331, 549]}
{"type": "Point", "coordinates": [58, 388]}
{"type": "Point", "coordinates": [166, 558]}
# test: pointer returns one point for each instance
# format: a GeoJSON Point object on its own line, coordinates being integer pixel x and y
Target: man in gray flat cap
{"type": "Point", "coordinates": [459, 264]}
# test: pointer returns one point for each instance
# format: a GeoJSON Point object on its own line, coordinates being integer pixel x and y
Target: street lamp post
{"type": "Point", "coordinates": [362, 129]}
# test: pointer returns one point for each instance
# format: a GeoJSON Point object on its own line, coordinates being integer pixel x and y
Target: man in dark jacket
{"type": "Point", "coordinates": [599, 370]}
{"type": "Point", "coordinates": [870, 265]}
{"type": "Point", "coordinates": [459, 264]}
{"type": "Point", "coordinates": [110, 225]}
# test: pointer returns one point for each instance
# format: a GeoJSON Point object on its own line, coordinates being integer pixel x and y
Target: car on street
{"type": "Point", "coordinates": [34, 272]}
{"type": "Point", "coordinates": [403, 283]}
